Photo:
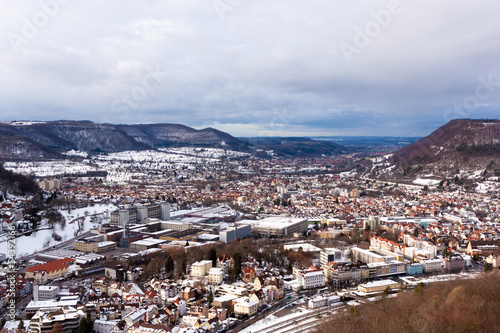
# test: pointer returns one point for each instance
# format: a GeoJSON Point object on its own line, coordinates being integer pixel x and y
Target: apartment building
{"type": "Point", "coordinates": [201, 268]}
{"type": "Point", "coordinates": [44, 321]}
{"type": "Point", "coordinates": [311, 279]}
{"type": "Point", "coordinates": [454, 263]}
{"type": "Point", "coordinates": [432, 265]}
{"type": "Point", "coordinates": [342, 274]}
{"type": "Point", "coordinates": [215, 276]}
{"type": "Point", "coordinates": [365, 256]}
{"type": "Point", "coordinates": [246, 308]}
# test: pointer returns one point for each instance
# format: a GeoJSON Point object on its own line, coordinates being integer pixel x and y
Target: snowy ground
{"type": "Point", "coordinates": [428, 182]}
{"type": "Point", "coordinates": [271, 319]}
{"type": "Point", "coordinates": [123, 165]}
{"type": "Point", "coordinates": [42, 239]}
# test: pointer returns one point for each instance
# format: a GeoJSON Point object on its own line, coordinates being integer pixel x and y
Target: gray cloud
{"type": "Point", "coordinates": [250, 67]}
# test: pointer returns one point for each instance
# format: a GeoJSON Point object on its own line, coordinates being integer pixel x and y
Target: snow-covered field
{"type": "Point", "coordinates": [49, 168]}
{"type": "Point", "coordinates": [428, 182]}
{"type": "Point", "coordinates": [124, 166]}
{"type": "Point", "coordinates": [43, 239]}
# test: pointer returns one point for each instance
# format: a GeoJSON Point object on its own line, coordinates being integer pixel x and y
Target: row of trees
{"type": "Point", "coordinates": [176, 263]}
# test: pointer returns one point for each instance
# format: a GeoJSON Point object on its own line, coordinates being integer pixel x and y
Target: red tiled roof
{"type": "Point", "coordinates": [52, 266]}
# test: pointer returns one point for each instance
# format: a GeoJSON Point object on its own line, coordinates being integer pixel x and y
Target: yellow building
{"type": "Point", "coordinates": [377, 286]}
{"type": "Point", "coordinates": [52, 270]}
{"type": "Point", "coordinates": [85, 246]}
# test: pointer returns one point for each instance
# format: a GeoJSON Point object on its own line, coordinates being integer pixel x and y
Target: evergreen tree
{"type": "Point", "coordinates": [210, 297]}
{"type": "Point", "coordinates": [169, 265]}
{"type": "Point", "coordinates": [237, 263]}
{"type": "Point", "coordinates": [85, 326]}
{"type": "Point", "coordinates": [212, 255]}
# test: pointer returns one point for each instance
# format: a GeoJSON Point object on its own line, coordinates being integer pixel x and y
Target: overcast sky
{"type": "Point", "coordinates": [253, 67]}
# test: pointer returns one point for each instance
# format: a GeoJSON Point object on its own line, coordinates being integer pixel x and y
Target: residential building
{"type": "Point", "coordinates": [454, 263]}
{"type": "Point", "coordinates": [308, 279]}
{"type": "Point", "coordinates": [248, 308]}
{"type": "Point", "coordinates": [44, 321]}
{"type": "Point", "coordinates": [340, 274]}
{"type": "Point", "coordinates": [493, 261]}
{"type": "Point", "coordinates": [432, 266]}
{"type": "Point", "coordinates": [429, 247]}
{"type": "Point", "coordinates": [201, 268]}
{"type": "Point", "coordinates": [366, 256]}
{"type": "Point", "coordinates": [215, 276]}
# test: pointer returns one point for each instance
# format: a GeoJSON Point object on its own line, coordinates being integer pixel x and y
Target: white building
{"type": "Point", "coordinates": [429, 247]}
{"type": "Point", "coordinates": [322, 301]}
{"type": "Point", "coordinates": [105, 326]}
{"type": "Point", "coordinates": [215, 276]}
{"type": "Point", "coordinates": [329, 255]}
{"type": "Point", "coordinates": [277, 226]}
{"type": "Point", "coordinates": [44, 321]}
{"type": "Point", "coordinates": [316, 302]}
{"type": "Point", "coordinates": [311, 279]}
{"type": "Point", "coordinates": [45, 293]}
{"type": "Point", "coordinates": [50, 305]}
{"type": "Point", "coordinates": [201, 268]}
{"type": "Point", "coordinates": [432, 265]}
{"type": "Point", "coordinates": [246, 308]}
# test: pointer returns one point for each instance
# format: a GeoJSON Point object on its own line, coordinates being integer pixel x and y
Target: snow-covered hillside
{"type": "Point", "coordinates": [128, 165]}
{"type": "Point", "coordinates": [77, 220]}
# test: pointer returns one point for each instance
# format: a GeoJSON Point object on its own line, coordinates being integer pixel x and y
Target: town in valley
{"type": "Point", "coordinates": [214, 240]}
